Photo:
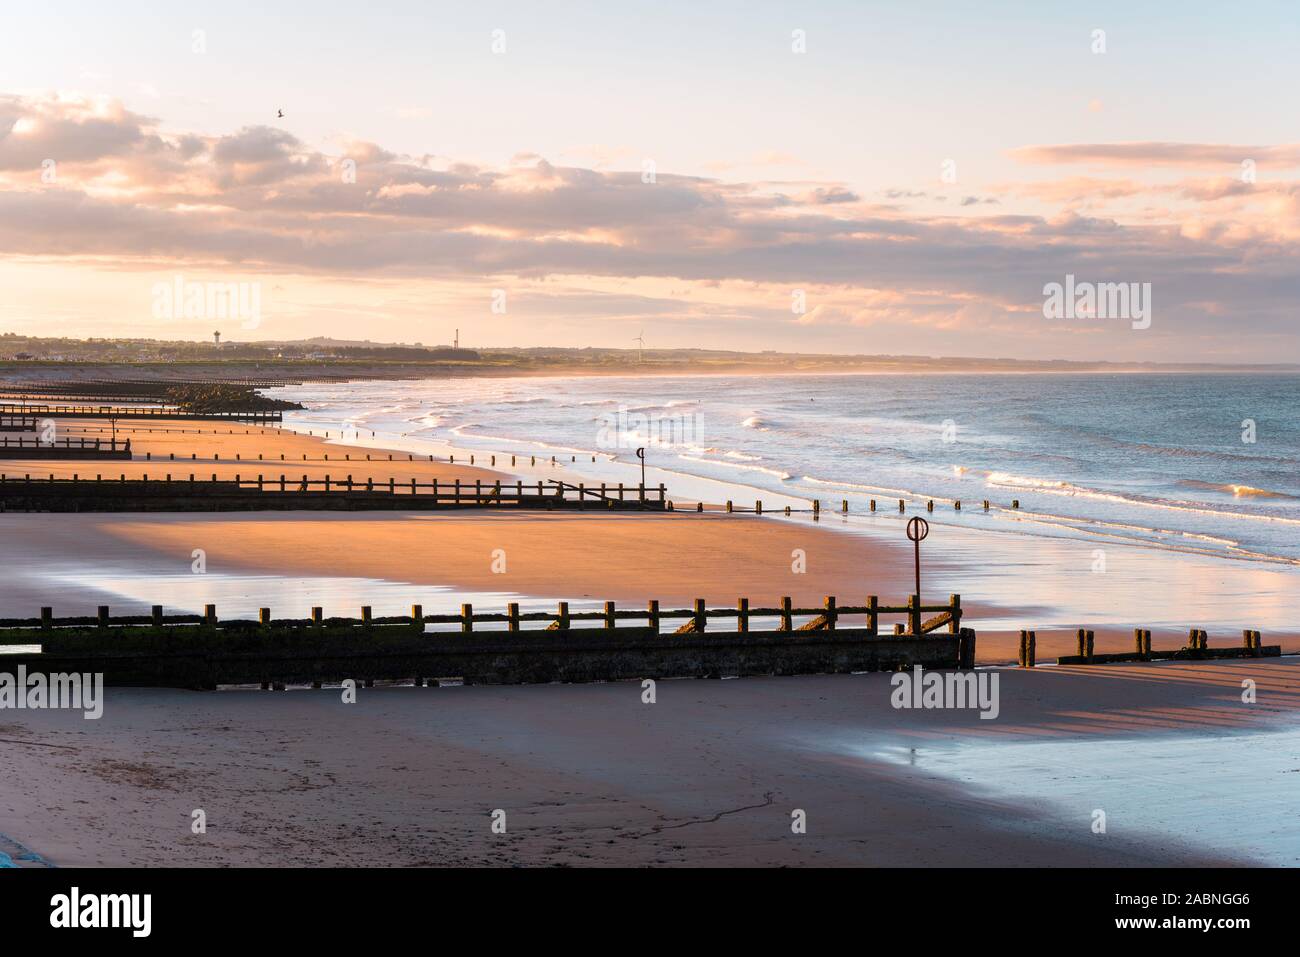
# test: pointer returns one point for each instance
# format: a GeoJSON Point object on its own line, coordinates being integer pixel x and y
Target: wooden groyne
{"type": "Point", "coordinates": [81, 448]}
{"type": "Point", "coordinates": [127, 390]}
{"type": "Point", "coordinates": [261, 417]}
{"type": "Point", "coordinates": [17, 423]}
{"type": "Point", "coordinates": [1197, 648]}
{"type": "Point", "coordinates": [201, 651]}
{"type": "Point", "coordinates": [182, 493]}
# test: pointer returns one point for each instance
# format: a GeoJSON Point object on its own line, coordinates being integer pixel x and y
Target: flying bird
{"type": "Point", "coordinates": [279, 114]}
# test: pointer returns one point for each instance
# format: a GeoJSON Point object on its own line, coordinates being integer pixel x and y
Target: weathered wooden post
{"type": "Point", "coordinates": [264, 617]}
{"type": "Point", "coordinates": [652, 614]}
{"type": "Point", "coordinates": [873, 615]}
{"type": "Point", "coordinates": [966, 648]}
{"type": "Point", "coordinates": [103, 616]}
{"type": "Point", "coordinates": [1022, 654]}
{"type": "Point", "coordinates": [1137, 641]}
{"type": "Point", "coordinates": [47, 618]}
{"type": "Point", "coordinates": [728, 506]}
{"type": "Point", "coordinates": [901, 506]}
{"type": "Point", "coordinates": [742, 615]}
{"type": "Point", "coordinates": [817, 508]}
{"type": "Point", "coordinates": [365, 616]}
{"type": "Point", "coordinates": [466, 618]}
{"type": "Point", "coordinates": [317, 615]}
{"type": "Point", "coordinates": [209, 615]}
{"type": "Point", "coordinates": [873, 505]}
{"type": "Point", "coordinates": [929, 505]}
{"type": "Point", "coordinates": [701, 619]}
{"type": "Point", "coordinates": [417, 619]}
{"type": "Point", "coordinates": [1082, 639]}
{"type": "Point", "coordinates": [787, 617]}
{"type": "Point", "coordinates": [829, 612]}
{"type": "Point", "coordinates": [844, 506]}
{"type": "Point", "coordinates": [512, 609]}
{"type": "Point", "coordinates": [611, 617]}
{"type": "Point", "coordinates": [562, 618]}
{"type": "Point", "coordinates": [758, 507]}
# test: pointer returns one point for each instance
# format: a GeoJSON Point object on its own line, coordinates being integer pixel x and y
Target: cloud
{"type": "Point", "coordinates": [1152, 154]}
{"type": "Point", "coordinates": [131, 193]}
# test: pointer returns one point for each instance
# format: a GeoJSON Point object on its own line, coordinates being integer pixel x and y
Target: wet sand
{"type": "Point", "coordinates": [709, 774]}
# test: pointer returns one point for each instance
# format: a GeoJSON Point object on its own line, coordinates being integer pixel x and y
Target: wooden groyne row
{"type": "Point", "coordinates": [79, 448]}
{"type": "Point", "coordinates": [203, 652]}
{"type": "Point", "coordinates": [136, 412]}
{"type": "Point", "coordinates": [1197, 648]}
{"type": "Point", "coordinates": [126, 390]}
{"type": "Point", "coordinates": [757, 509]}
{"type": "Point", "coordinates": [186, 494]}
{"type": "Point", "coordinates": [17, 423]}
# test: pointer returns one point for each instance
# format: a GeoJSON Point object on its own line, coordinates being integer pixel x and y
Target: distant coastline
{"type": "Point", "coordinates": [41, 360]}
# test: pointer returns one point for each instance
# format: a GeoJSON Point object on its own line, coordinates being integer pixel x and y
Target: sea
{"type": "Point", "coordinates": [1108, 470]}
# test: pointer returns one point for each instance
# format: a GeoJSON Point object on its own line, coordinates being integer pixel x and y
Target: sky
{"type": "Point", "coordinates": [899, 178]}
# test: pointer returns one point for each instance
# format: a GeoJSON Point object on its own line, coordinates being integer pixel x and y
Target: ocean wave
{"type": "Point", "coordinates": [1237, 491]}
{"type": "Point", "coordinates": [1056, 487]}
{"type": "Point", "coordinates": [775, 473]}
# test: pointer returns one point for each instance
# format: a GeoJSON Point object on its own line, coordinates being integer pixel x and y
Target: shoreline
{"type": "Point", "coordinates": [628, 558]}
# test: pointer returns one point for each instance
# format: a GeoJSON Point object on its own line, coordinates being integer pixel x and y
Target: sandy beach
{"type": "Point", "coordinates": [587, 774]}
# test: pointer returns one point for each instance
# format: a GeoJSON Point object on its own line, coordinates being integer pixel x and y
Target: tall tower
{"type": "Point", "coordinates": [455, 343]}
{"type": "Point", "coordinates": [216, 339]}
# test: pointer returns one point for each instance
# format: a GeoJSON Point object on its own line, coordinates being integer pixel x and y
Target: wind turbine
{"type": "Point", "coordinates": [640, 350]}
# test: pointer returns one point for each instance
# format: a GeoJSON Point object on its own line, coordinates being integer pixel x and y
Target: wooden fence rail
{"type": "Point", "coordinates": [135, 412]}
{"type": "Point", "coordinates": [262, 492]}
{"type": "Point", "coordinates": [70, 448]}
{"type": "Point", "coordinates": [826, 617]}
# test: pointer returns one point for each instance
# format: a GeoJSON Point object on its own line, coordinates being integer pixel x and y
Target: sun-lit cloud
{"type": "Point", "coordinates": [573, 240]}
